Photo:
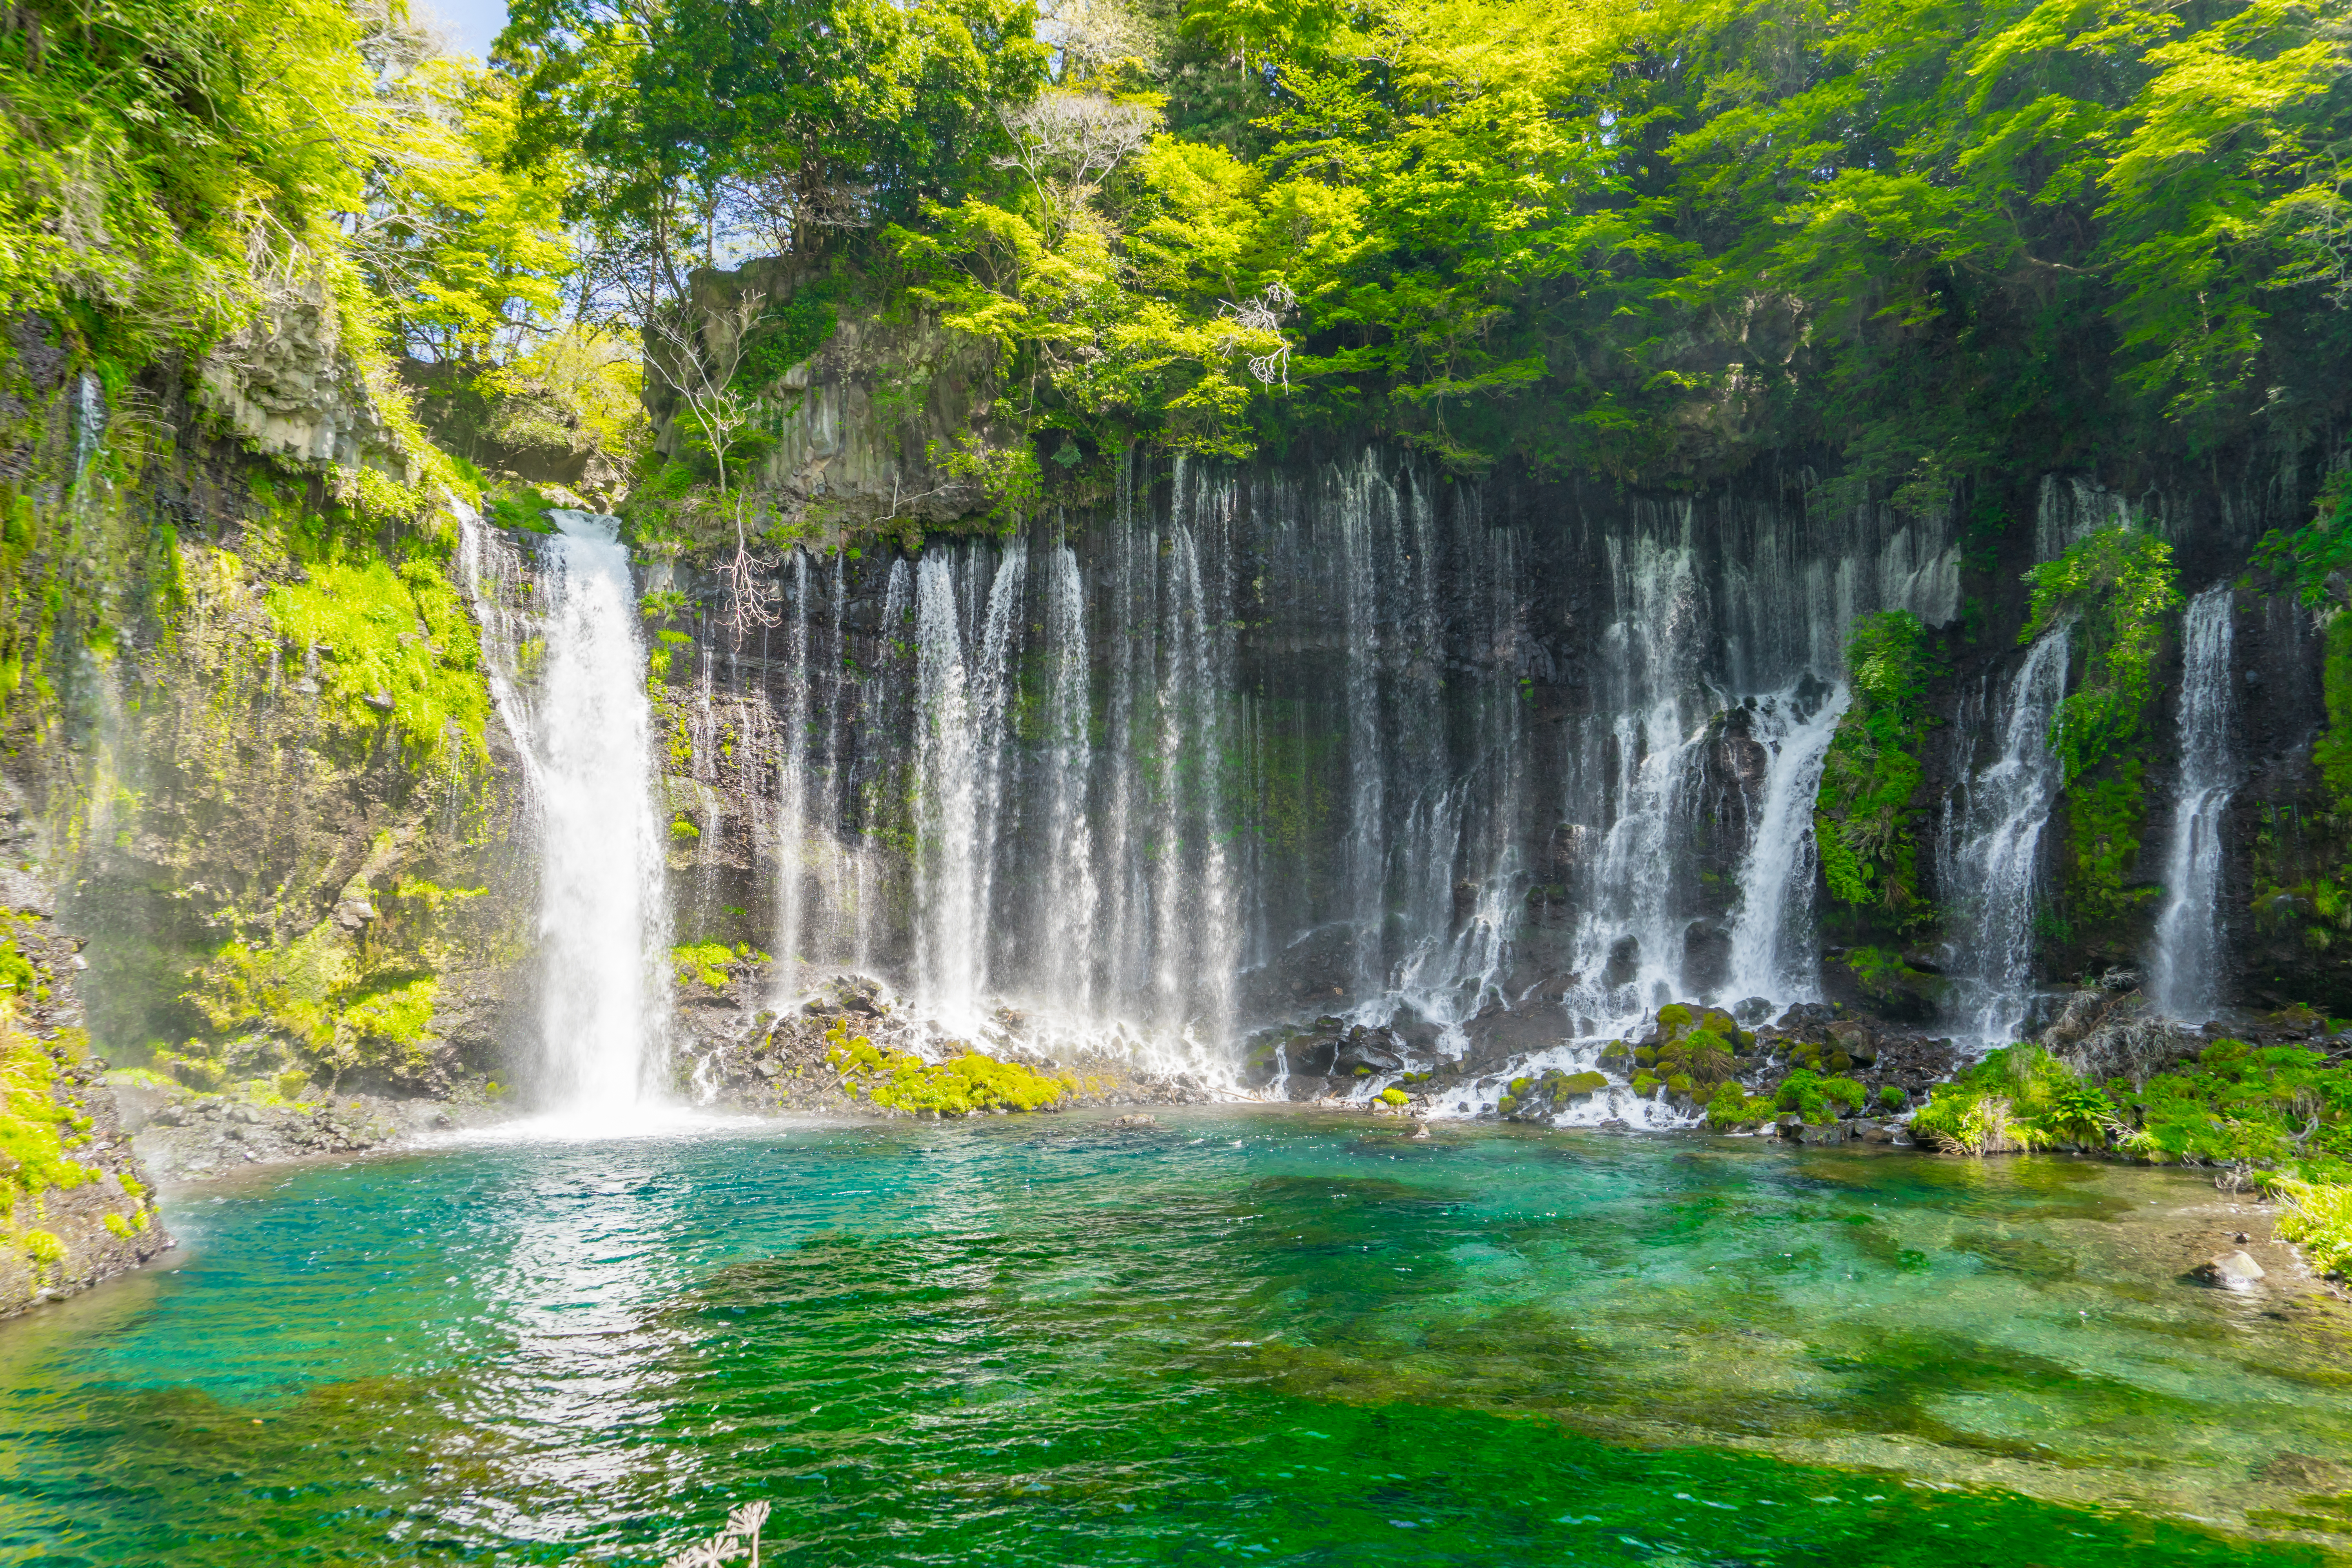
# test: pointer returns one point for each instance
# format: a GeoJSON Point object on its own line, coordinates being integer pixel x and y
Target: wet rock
{"type": "Point", "coordinates": [1706, 955]}
{"type": "Point", "coordinates": [1501, 1036]}
{"type": "Point", "coordinates": [1752, 1010]}
{"type": "Point", "coordinates": [1135, 1119]}
{"type": "Point", "coordinates": [2228, 1270]}
{"type": "Point", "coordinates": [1880, 984]}
{"type": "Point", "coordinates": [1366, 1051]}
{"type": "Point", "coordinates": [1624, 962]}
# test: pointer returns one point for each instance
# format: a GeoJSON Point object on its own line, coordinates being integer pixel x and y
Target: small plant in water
{"type": "Point", "coordinates": [739, 1537]}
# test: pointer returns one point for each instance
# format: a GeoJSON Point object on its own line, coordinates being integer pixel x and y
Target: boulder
{"type": "Point", "coordinates": [2228, 1270]}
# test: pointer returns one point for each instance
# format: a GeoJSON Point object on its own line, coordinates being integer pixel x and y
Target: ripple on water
{"type": "Point", "coordinates": [1038, 1340]}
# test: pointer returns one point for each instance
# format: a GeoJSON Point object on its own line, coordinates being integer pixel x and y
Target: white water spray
{"type": "Point", "coordinates": [2187, 965]}
{"type": "Point", "coordinates": [604, 921]}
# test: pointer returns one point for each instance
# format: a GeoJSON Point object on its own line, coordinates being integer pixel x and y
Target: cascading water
{"type": "Point", "coordinates": [604, 925]}
{"type": "Point", "coordinates": [2185, 968]}
{"type": "Point", "coordinates": [1244, 749]}
{"type": "Point", "coordinates": [792, 787]}
{"type": "Point", "coordinates": [1771, 935]}
{"type": "Point", "coordinates": [1991, 844]}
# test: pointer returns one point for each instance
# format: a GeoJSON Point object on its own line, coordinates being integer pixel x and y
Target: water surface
{"type": "Point", "coordinates": [1233, 1337]}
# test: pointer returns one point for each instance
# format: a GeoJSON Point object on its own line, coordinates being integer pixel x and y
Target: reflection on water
{"type": "Point", "coordinates": [1043, 1341]}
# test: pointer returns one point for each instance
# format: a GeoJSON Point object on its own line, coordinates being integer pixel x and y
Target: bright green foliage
{"type": "Point", "coordinates": [152, 152]}
{"type": "Point", "coordinates": [401, 1016]}
{"type": "Point", "coordinates": [1817, 1098]}
{"type": "Point", "coordinates": [2318, 1217]}
{"type": "Point", "coordinates": [1395, 1096]}
{"type": "Point", "coordinates": [2114, 588]}
{"type": "Point", "coordinates": [322, 995]}
{"type": "Point", "coordinates": [470, 254]}
{"type": "Point", "coordinates": [2333, 752]}
{"type": "Point", "coordinates": [772, 123]}
{"type": "Point", "coordinates": [35, 1123]}
{"type": "Point", "coordinates": [2317, 557]}
{"type": "Point", "coordinates": [1864, 809]}
{"type": "Point", "coordinates": [2270, 1104]}
{"type": "Point", "coordinates": [899, 1081]}
{"type": "Point", "coordinates": [396, 649]}
{"type": "Point", "coordinates": [2017, 1097]}
{"type": "Point", "coordinates": [1648, 240]}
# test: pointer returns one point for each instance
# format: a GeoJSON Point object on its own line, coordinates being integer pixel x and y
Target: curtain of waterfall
{"type": "Point", "coordinates": [1246, 746]}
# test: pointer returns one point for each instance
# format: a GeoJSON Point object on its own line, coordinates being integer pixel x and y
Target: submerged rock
{"type": "Point", "coordinates": [2228, 1268]}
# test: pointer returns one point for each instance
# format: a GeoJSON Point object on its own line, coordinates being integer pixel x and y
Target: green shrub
{"type": "Point", "coordinates": [2318, 1217]}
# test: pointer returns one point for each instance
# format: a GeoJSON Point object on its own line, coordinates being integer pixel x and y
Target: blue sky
{"type": "Point", "coordinates": [471, 24]}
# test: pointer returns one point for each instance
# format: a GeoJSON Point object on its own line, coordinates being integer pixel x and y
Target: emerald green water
{"type": "Point", "coordinates": [1233, 1339]}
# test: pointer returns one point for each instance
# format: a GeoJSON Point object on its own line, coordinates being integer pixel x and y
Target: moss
{"type": "Point", "coordinates": [396, 650]}
{"type": "Point", "coordinates": [1733, 1106]}
{"type": "Point", "coordinates": [319, 994]}
{"type": "Point", "coordinates": [2115, 589]}
{"type": "Point", "coordinates": [1866, 809]}
{"type": "Point", "coordinates": [898, 1080]}
{"type": "Point", "coordinates": [1817, 1098]}
{"type": "Point", "coordinates": [1395, 1096]}
{"type": "Point", "coordinates": [706, 961]}
{"type": "Point", "coordinates": [684, 830]}
{"type": "Point", "coordinates": [1674, 1016]}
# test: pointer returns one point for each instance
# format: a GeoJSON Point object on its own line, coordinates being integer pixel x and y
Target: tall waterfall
{"type": "Point", "coordinates": [1989, 860]}
{"type": "Point", "coordinates": [2187, 962]}
{"type": "Point", "coordinates": [603, 922]}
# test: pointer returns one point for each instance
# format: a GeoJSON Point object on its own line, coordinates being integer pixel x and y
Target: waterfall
{"type": "Point", "coordinates": [898, 603]}
{"type": "Point", "coordinates": [1629, 957]}
{"type": "Point", "coordinates": [793, 788]}
{"type": "Point", "coordinates": [2187, 962]}
{"type": "Point", "coordinates": [604, 926]}
{"type": "Point", "coordinates": [959, 768]}
{"type": "Point", "coordinates": [1770, 935]}
{"type": "Point", "coordinates": [1247, 747]}
{"type": "Point", "coordinates": [1990, 844]}
{"type": "Point", "coordinates": [1067, 893]}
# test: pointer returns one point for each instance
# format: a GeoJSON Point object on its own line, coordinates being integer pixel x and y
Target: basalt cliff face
{"type": "Point", "coordinates": [1233, 760]}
